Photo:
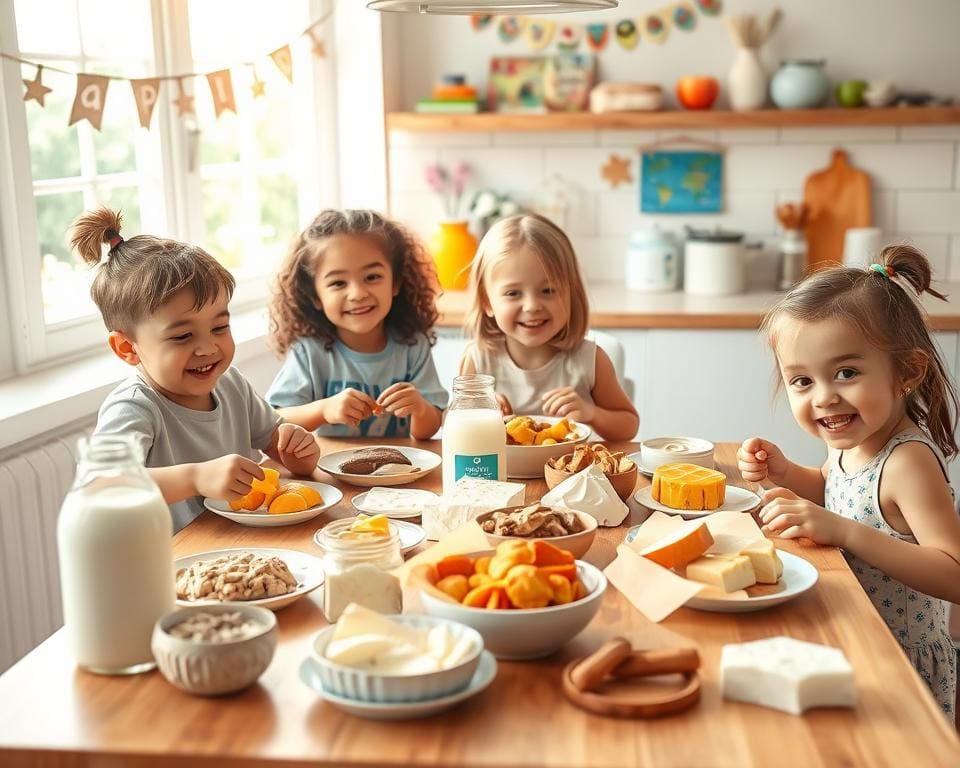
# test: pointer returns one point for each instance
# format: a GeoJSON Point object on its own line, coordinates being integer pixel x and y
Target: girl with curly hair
{"type": "Point", "coordinates": [353, 309]}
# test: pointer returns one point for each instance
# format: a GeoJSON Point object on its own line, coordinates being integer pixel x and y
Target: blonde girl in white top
{"type": "Point", "coordinates": [528, 321]}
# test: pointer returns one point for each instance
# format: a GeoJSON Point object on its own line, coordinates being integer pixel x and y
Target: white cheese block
{"type": "Point", "coordinates": [365, 585]}
{"type": "Point", "coordinates": [402, 501]}
{"type": "Point", "coordinates": [765, 561]}
{"type": "Point", "coordinates": [787, 674]}
{"type": "Point", "coordinates": [470, 497]}
{"type": "Point", "coordinates": [726, 572]}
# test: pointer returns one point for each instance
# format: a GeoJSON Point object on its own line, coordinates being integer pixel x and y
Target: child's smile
{"type": "Point", "coordinates": [841, 388]}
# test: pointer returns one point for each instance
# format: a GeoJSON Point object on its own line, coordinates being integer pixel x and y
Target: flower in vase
{"type": "Point", "coordinates": [449, 185]}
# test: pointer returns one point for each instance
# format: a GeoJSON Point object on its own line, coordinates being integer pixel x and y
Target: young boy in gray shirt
{"type": "Point", "coordinates": [199, 422]}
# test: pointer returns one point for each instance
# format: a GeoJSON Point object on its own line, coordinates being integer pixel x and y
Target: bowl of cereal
{"type": "Point", "coordinates": [618, 468]}
{"type": "Point", "coordinates": [564, 528]}
{"type": "Point", "coordinates": [212, 650]}
{"type": "Point", "coordinates": [533, 440]}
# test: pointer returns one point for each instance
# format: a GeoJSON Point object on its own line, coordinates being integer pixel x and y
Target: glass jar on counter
{"type": "Point", "coordinates": [357, 570]}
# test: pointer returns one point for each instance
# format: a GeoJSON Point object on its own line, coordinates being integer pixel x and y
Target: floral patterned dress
{"type": "Point", "coordinates": [918, 621]}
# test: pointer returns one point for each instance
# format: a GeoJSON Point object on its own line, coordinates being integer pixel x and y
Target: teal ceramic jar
{"type": "Point", "coordinates": [799, 84]}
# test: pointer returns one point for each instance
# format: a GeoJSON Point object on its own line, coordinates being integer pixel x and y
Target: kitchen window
{"type": "Point", "coordinates": [240, 185]}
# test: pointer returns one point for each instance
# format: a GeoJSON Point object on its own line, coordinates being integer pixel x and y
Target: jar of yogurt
{"type": "Point", "coordinates": [357, 569]}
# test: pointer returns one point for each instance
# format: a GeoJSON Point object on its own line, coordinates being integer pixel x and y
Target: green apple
{"type": "Point", "coordinates": [850, 93]}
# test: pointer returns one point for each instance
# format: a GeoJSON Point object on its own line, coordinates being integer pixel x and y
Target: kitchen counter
{"type": "Point", "coordinates": [614, 306]}
{"type": "Point", "coordinates": [52, 714]}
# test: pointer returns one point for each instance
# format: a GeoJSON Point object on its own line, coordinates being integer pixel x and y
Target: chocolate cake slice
{"type": "Point", "coordinates": [366, 460]}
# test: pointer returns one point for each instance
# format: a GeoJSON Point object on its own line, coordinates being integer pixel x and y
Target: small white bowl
{"type": "Point", "coordinates": [214, 668]}
{"type": "Point", "coordinates": [526, 461]}
{"type": "Point", "coordinates": [527, 633]}
{"type": "Point", "coordinates": [364, 685]}
{"type": "Point", "coordinates": [671, 450]}
{"type": "Point", "coordinates": [575, 543]}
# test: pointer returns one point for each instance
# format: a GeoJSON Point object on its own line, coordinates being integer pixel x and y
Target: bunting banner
{"type": "Point", "coordinates": [653, 27]}
{"type": "Point", "coordinates": [90, 98]}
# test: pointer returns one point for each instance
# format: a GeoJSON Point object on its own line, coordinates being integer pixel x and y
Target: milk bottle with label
{"type": "Point", "coordinates": [474, 437]}
{"type": "Point", "coordinates": [114, 538]}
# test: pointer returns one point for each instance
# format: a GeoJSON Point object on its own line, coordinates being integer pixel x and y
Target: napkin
{"type": "Point", "coordinates": [656, 591]}
{"type": "Point", "coordinates": [589, 491]}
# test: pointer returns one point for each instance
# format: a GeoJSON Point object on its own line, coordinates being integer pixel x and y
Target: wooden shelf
{"type": "Point", "coordinates": [624, 121]}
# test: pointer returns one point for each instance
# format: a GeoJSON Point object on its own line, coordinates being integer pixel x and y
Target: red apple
{"type": "Point", "coordinates": [697, 91]}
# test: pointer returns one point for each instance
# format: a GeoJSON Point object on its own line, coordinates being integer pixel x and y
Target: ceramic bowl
{"type": "Point", "coordinates": [624, 483]}
{"type": "Point", "coordinates": [214, 668]}
{"type": "Point", "coordinates": [528, 460]}
{"type": "Point", "coordinates": [673, 450]}
{"type": "Point", "coordinates": [575, 543]}
{"type": "Point", "coordinates": [527, 633]}
{"type": "Point", "coordinates": [364, 685]}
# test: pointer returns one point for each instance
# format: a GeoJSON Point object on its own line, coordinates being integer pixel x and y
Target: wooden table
{"type": "Point", "coordinates": [51, 714]}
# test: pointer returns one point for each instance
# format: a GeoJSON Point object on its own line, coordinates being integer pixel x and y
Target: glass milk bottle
{"type": "Point", "coordinates": [474, 436]}
{"type": "Point", "coordinates": [114, 538]}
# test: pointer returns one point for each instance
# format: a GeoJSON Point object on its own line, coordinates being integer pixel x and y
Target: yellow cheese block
{"type": "Point", "coordinates": [680, 547]}
{"type": "Point", "coordinates": [766, 563]}
{"type": "Point", "coordinates": [687, 486]}
{"type": "Point", "coordinates": [726, 572]}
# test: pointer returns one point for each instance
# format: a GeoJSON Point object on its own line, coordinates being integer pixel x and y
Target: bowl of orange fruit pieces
{"type": "Point", "coordinates": [272, 502]}
{"type": "Point", "coordinates": [527, 598]}
{"type": "Point", "coordinates": [534, 440]}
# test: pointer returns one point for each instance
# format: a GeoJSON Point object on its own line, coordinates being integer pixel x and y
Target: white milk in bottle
{"type": "Point", "coordinates": [474, 437]}
{"type": "Point", "coordinates": [114, 538]}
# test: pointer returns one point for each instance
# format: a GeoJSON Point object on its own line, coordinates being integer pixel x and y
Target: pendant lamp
{"type": "Point", "coordinates": [450, 7]}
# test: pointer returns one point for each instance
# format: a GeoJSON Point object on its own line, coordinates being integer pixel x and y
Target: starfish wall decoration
{"type": "Point", "coordinates": [616, 171]}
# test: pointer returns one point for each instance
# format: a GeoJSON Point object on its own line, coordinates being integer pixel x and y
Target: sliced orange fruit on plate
{"type": "Point", "coordinates": [288, 502]}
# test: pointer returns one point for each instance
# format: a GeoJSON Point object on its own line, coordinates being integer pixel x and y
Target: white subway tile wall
{"type": "Point", "coordinates": [915, 172]}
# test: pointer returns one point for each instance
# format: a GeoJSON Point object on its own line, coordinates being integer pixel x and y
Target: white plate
{"type": "Point", "coordinates": [423, 462]}
{"type": "Point", "coordinates": [418, 498]}
{"type": "Point", "coordinates": [411, 535]}
{"type": "Point", "coordinates": [306, 569]}
{"type": "Point", "coordinates": [736, 500]}
{"type": "Point", "coordinates": [798, 576]}
{"type": "Point", "coordinates": [486, 671]}
{"type": "Point", "coordinates": [263, 519]}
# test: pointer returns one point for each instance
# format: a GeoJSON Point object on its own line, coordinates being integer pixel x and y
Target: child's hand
{"type": "Point", "coordinates": [505, 408]}
{"type": "Point", "coordinates": [564, 401]}
{"type": "Point", "coordinates": [758, 459]}
{"type": "Point", "coordinates": [402, 399]}
{"type": "Point", "coordinates": [790, 517]}
{"type": "Point", "coordinates": [228, 477]}
{"type": "Point", "coordinates": [297, 448]}
{"type": "Point", "coordinates": [349, 406]}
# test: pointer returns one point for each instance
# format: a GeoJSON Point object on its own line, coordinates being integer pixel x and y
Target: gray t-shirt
{"type": "Point", "coordinates": [241, 422]}
{"type": "Point", "coordinates": [312, 372]}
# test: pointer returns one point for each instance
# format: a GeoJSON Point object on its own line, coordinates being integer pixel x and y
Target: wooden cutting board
{"type": "Point", "coordinates": [838, 198]}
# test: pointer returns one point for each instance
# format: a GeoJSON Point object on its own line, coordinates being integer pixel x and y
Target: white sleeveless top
{"type": "Point", "coordinates": [917, 620]}
{"type": "Point", "coordinates": [576, 368]}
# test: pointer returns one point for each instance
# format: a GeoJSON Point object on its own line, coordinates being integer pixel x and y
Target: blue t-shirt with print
{"type": "Point", "coordinates": [312, 372]}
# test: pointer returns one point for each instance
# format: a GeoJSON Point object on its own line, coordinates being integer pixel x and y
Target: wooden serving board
{"type": "Point", "coordinates": [838, 198]}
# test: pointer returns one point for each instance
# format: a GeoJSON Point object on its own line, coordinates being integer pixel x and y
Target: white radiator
{"type": "Point", "coordinates": [32, 486]}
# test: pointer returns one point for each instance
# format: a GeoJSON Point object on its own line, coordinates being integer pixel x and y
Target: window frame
{"type": "Point", "coordinates": [36, 345]}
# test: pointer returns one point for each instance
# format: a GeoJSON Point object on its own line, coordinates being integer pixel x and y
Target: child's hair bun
{"type": "Point", "coordinates": [91, 229]}
{"type": "Point", "coordinates": [911, 266]}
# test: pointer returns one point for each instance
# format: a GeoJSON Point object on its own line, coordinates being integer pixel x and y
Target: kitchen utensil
{"type": "Point", "coordinates": [861, 246]}
{"type": "Point", "coordinates": [838, 197]}
{"type": "Point", "coordinates": [714, 262]}
{"type": "Point", "coordinates": [653, 262]}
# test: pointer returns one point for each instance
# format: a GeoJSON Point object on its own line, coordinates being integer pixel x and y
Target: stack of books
{"type": "Point", "coordinates": [453, 96]}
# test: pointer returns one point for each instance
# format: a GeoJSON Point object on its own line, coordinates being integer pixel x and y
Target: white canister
{"type": "Point", "coordinates": [861, 246]}
{"type": "Point", "coordinates": [714, 263]}
{"type": "Point", "coordinates": [653, 262]}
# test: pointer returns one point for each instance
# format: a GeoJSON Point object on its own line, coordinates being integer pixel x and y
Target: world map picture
{"type": "Point", "coordinates": [681, 182]}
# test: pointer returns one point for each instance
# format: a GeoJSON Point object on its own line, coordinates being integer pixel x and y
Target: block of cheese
{"type": "Point", "coordinates": [470, 497]}
{"type": "Point", "coordinates": [726, 572]}
{"type": "Point", "coordinates": [765, 561]}
{"type": "Point", "coordinates": [787, 674]}
{"type": "Point", "coordinates": [680, 547]}
{"type": "Point", "coordinates": [687, 486]}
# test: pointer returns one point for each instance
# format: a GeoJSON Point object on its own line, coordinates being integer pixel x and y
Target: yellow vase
{"type": "Point", "coordinates": [453, 247]}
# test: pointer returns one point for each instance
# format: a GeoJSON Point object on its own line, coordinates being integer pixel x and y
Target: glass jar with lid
{"type": "Point", "coordinates": [357, 569]}
{"type": "Point", "coordinates": [474, 436]}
